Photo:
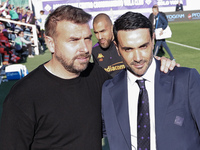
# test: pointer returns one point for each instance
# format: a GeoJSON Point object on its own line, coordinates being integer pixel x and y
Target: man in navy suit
{"type": "Point", "coordinates": [179, 6]}
{"type": "Point", "coordinates": [174, 98]}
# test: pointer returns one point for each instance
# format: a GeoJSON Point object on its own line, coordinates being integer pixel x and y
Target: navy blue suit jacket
{"type": "Point", "coordinates": [177, 110]}
{"type": "Point", "coordinates": [161, 21]}
{"type": "Point", "coordinates": [179, 7]}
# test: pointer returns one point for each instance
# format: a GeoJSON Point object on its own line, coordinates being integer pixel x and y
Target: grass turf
{"type": "Point", "coordinates": [186, 33]}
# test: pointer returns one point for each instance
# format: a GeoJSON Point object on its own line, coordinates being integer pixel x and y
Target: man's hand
{"type": "Point", "coordinates": [161, 32]}
{"type": "Point", "coordinates": [166, 64]}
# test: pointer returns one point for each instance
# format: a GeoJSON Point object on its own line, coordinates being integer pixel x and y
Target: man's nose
{"type": "Point", "coordinates": [99, 36]}
{"type": "Point", "coordinates": [137, 55]}
{"type": "Point", "coordinates": [84, 47]}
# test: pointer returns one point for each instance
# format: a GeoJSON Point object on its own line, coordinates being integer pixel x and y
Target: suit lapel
{"type": "Point", "coordinates": [163, 95]}
{"type": "Point", "coordinates": [119, 94]}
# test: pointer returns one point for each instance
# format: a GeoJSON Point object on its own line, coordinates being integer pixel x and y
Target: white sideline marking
{"type": "Point", "coordinates": [184, 45]}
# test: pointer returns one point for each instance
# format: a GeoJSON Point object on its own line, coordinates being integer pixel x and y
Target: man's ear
{"type": "Point", "coordinates": [117, 48]}
{"type": "Point", "coordinates": [153, 39]}
{"type": "Point", "coordinates": [111, 28]}
{"type": "Point", "coordinates": [50, 43]}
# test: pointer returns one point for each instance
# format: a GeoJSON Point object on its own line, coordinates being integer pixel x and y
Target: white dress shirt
{"type": "Point", "coordinates": [133, 93]}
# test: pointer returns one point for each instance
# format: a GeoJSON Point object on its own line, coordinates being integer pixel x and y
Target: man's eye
{"type": "Point", "coordinates": [74, 40]}
{"type": "Point", "coordinates": [89, 38]}
{"type": "Point", "coordinates": [144, 47]}
{"type": "Point", "coordinates": [128, 49]}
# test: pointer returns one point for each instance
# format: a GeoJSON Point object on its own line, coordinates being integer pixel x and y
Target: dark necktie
{"type": "Point", "coordinates": [143, 121]}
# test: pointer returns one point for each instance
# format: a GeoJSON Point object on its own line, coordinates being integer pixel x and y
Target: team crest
{"type": "Point", "coordinates": [100, 57]}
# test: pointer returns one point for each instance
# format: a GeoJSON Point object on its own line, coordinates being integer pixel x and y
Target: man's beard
{"type": "Point", "coordinates": [135, 71]}
{"type": "Point", "coordinates": [71, 66]}
{"type": "Point", "coordinates": [105, 45]}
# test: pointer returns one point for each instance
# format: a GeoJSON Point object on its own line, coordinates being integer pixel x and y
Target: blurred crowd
{"type": "Point", "coordinates": [16, 38]}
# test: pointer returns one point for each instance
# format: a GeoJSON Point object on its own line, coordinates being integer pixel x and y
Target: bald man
{"type": "Point", "coordinates": [104, 52]}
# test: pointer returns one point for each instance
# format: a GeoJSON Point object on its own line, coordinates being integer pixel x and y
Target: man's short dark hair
{"type": "Point", "coordinates": [99, 17]}
{"type": "Point", "coordinates": [68, 13]}
{"type": "Point", "coordinates": [155, 6]}
{"type": "Point", "coordinates": [131, 21]}
{"type": "Point", "coordinates": [19, 32]}
{"type": "Point", "coordinates": [41, 11]}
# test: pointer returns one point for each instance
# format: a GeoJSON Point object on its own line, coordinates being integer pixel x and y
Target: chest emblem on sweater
{"type": "Point", "coordinates": [100, 57]}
